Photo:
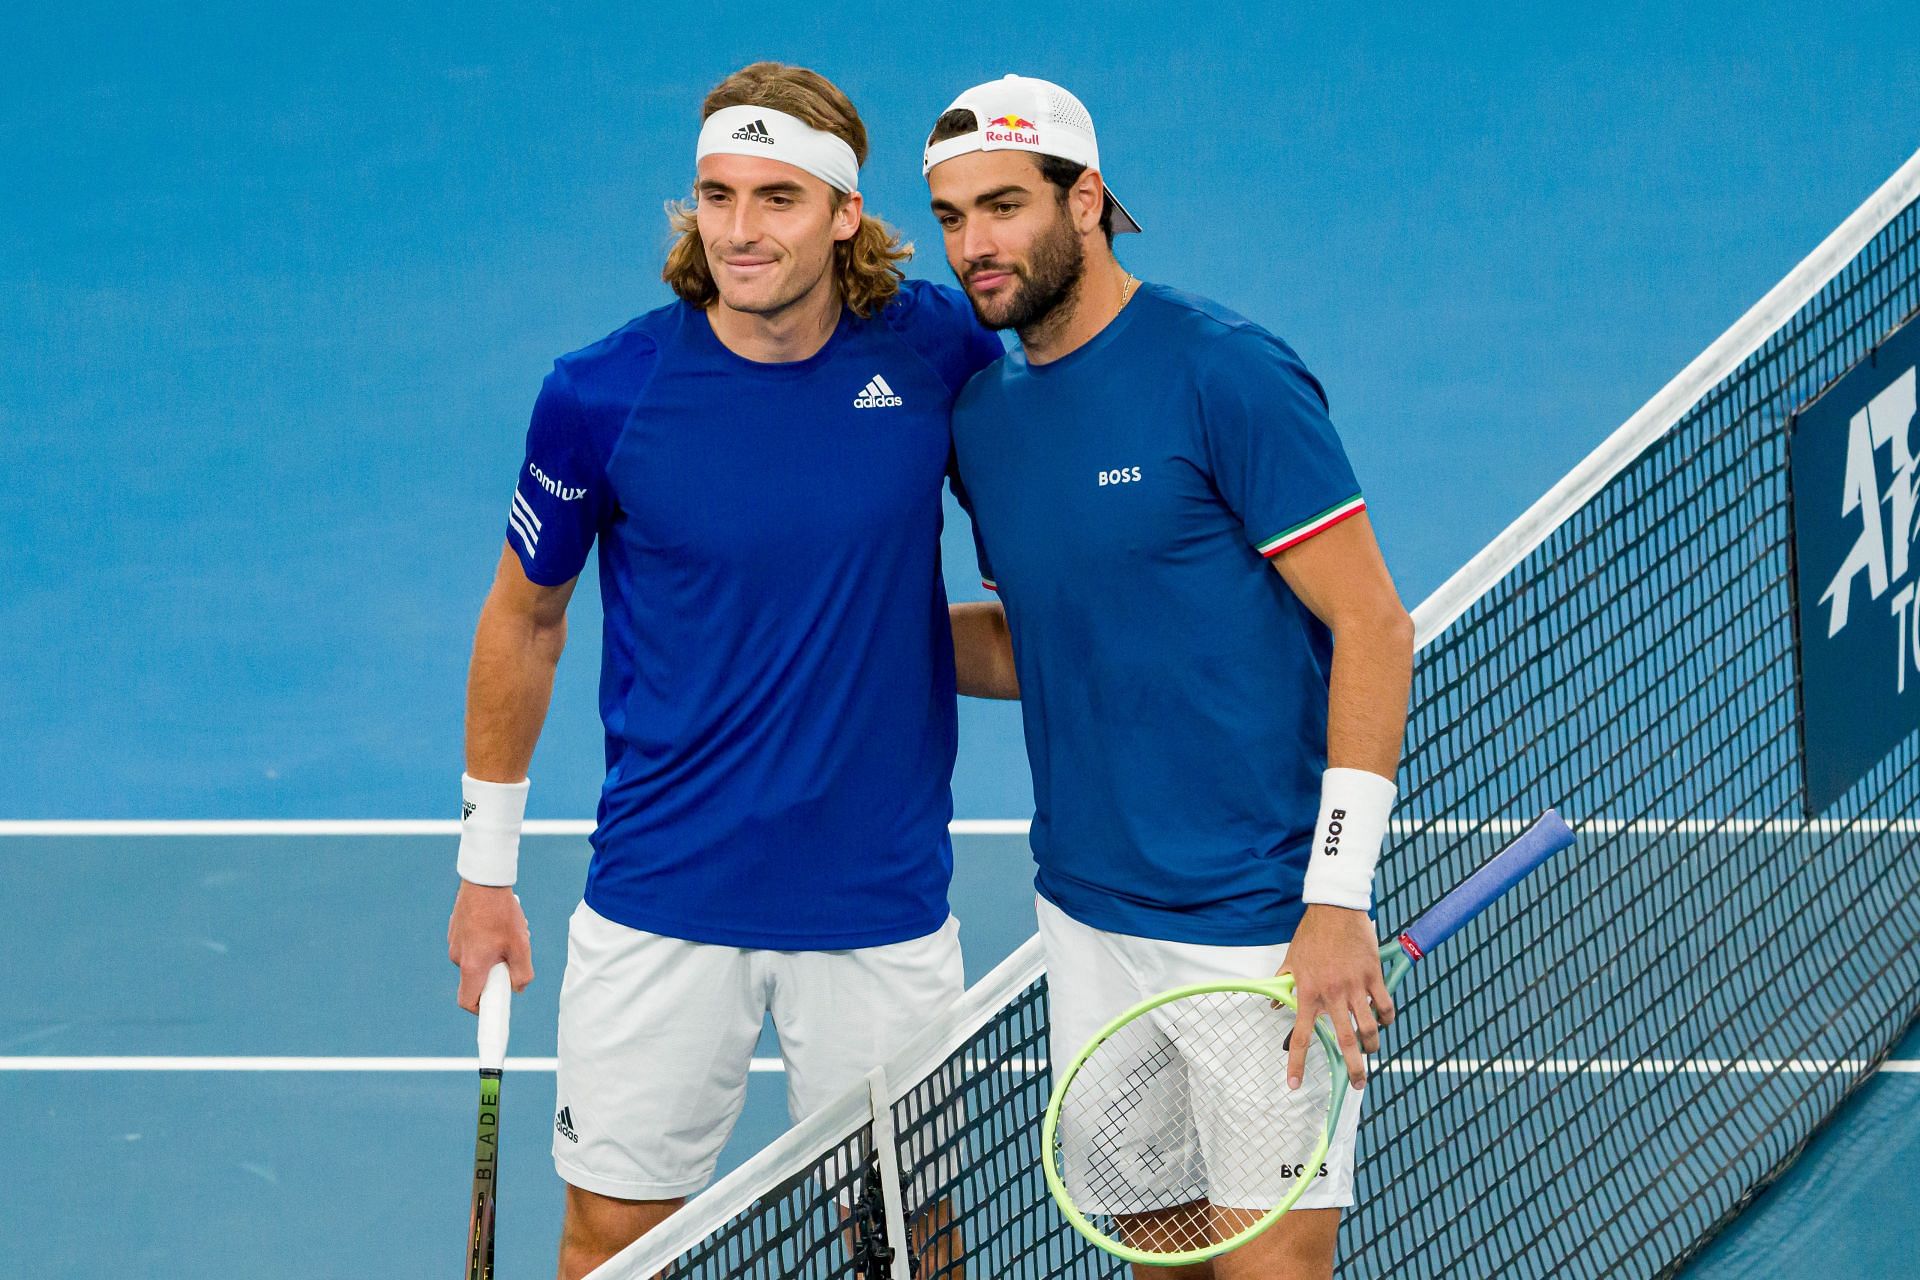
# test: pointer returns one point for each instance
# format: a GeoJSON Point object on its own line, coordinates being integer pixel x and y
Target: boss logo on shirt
{"type": "Point", "coordinates": [553, 486]}
{"type": "Point", "coordinates": [1120, 475]}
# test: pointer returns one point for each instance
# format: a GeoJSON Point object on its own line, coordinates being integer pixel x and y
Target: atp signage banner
{"type": "Point", "coordinates": [1851, 458]}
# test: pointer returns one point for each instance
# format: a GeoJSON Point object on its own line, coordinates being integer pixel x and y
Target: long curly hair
{"type": "Point", "coordinates": [865, 267]}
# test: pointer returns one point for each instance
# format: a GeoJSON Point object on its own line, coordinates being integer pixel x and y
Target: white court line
{"type": "Point", "coordinates": [109, 1063]}
{"type": "Point", "coordinates": [1659, 1066]}
{"type": "Point", "coordinates": [363, 827]}
{"type": "Point", "coordinates": [959, 827]}
{"type": "Point", "coordinates": [774, 1066]}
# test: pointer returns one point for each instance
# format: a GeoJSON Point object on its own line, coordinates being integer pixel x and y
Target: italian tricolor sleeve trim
{"type": "Point", "coordinates": [1299, 533]}
{"type": "Point", "coordinates": [990, 584]}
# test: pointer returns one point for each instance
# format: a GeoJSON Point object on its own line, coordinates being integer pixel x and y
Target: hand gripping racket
{"type": "Point", "coordinates": [496, 1000]}
{"type": "Point", "coordinates": [1173, 1138]}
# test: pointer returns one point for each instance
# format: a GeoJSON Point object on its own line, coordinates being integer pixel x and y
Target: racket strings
{"type": "Point", "coordinates": [1179, 1131]}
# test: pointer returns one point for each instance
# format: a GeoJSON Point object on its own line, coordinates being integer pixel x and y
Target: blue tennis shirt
{"type": "Point", "coordinates": [1126, 499]}
{"type": "Point", "coordinates": [777, 678]}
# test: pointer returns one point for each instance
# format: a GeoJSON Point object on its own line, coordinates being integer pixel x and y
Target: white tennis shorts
{"type": "Point", "coordinates": [656, 1035]}
{"type": "Point", "coordinates": [1094, 976]}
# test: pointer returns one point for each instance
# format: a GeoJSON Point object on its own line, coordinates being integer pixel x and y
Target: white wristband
{"type": "Point", "coordinates": [1354, 807]}
{"type": "Point", "coordinates": [490, 817]}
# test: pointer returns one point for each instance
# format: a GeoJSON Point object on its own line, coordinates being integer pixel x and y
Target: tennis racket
{"type": "Point", "coordinates": [1173, 1138]}
{"type": "Point", "coordinates": [496, 1001]}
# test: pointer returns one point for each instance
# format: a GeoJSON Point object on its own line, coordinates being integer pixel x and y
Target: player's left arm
{"type": "Point", "coordinates": [1334, 956]}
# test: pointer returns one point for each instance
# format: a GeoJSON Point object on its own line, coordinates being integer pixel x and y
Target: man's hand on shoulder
{"type": "Point", "coordinates": [1335, 962]}
{"type": "Point", "coordinates": [487, 927]}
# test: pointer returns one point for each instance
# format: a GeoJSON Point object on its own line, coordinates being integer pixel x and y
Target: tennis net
{"type": "Point", "coordinates": [1721, 970]}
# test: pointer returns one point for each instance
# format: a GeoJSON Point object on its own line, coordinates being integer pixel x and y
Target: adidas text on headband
{"type": "Point", "coordinates": [758, 131]}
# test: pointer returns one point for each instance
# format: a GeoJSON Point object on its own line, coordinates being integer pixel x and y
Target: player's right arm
{"type": "Point", "coordinates": [982, 642]}
{"type": "Point", "coordinates": [561, 500]}
{"type": "Point", "coordinates": [983, 650]}
{"type": "Point", "coordinates": [516, 648]}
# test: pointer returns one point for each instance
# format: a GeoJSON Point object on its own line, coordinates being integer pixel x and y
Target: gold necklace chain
{"type": "Point", "coordinates": [1127, 294]}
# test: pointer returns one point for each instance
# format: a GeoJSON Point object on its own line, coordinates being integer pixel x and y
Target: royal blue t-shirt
{"type": "Point", "coordinates": [777, 679]}
{"type": "Point", "coordinates": [1174, 690]}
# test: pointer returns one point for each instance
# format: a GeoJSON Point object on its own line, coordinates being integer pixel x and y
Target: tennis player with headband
{"type": "Point", "coordinates": [1212, 660]}
{"type": "Point", "coordinates": [761, 462]}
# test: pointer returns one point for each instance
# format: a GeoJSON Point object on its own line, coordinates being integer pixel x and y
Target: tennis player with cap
{"type": "Point", "coordinates": [761, 462]}
{"type": "Point", "coordinates": [1212, 660]}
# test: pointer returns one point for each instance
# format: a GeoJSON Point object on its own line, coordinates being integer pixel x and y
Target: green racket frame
{"type": "Point", "coordinates": [1546, 837]}
{"type": "Point", "coordinates": [1397, 963]}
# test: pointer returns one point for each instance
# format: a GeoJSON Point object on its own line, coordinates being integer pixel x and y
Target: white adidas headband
{"type": "Point", "coordinates": [757, 131]}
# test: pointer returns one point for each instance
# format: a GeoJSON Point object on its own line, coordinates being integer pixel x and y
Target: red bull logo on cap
{"type": "Point", "coordinates": [1012, 129]}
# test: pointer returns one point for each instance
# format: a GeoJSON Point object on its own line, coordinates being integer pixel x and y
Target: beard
{"type": "Point", "coordinates": [1043, 284]}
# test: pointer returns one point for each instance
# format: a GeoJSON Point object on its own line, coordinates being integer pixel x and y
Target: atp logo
{"type": "Point", "coordinates": [1880, 496]}
{"type": "Point", "coordinates": [1853, 466]}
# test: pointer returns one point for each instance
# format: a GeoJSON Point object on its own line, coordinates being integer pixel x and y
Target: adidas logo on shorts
{"type": "Point", "coordinates": [564, 1123]}
{"type": "Point", "coordinates": [876, 395]}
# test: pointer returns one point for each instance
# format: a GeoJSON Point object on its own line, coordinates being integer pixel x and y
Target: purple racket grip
{"type": "Point", "coordinates": [1546, 837]}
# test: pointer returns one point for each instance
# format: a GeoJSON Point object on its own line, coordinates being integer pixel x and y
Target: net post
{"type": "Point", "coordinates": [886, 1159]}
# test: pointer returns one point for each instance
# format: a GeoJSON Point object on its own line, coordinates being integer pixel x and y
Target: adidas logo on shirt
{"type": "Point", "coordinates": [876, 395]}
{"type": "Point", "coordinates": [564, 1123]}
{"type": "Point", "coordinates": [756, 131]}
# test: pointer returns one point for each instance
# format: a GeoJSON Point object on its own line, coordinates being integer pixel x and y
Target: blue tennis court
{"type": "Point", "coordinates": [256, 1166]}
{"type": "Point", "coordinates": [282, 286]}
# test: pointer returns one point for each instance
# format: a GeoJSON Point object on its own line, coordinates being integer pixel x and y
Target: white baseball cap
{"type": "Point", "coordinates": [1020, 113]}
